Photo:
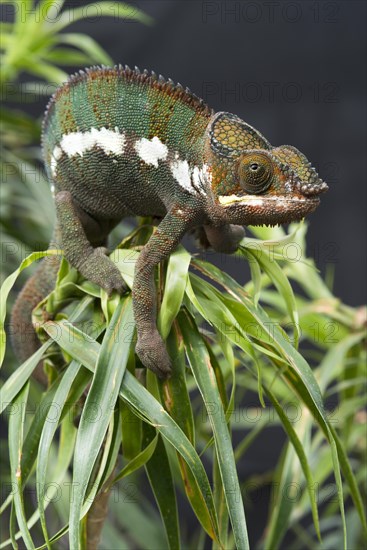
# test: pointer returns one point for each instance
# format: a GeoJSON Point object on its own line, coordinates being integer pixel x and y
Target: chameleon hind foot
{"type": "Point", "coordinates": [99, 269]}
{"type": "Point", "coordinates": [152, 353]}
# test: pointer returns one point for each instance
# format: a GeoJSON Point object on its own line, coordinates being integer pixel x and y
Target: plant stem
{"type": "Point", "coordinates": [97, 514]}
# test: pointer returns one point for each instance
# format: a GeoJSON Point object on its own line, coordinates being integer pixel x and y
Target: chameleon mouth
{"type": "Point", "coordinates": [256, 200]}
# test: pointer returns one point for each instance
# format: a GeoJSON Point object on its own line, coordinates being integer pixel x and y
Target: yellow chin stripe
{"type": "Point", "coordinates": [250, 199]}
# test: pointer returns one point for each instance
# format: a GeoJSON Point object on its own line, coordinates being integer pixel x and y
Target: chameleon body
{"type": "Point", "coordinates": [119, 142]}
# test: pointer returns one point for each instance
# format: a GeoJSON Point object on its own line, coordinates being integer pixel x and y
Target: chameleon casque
{"type": "Point", "coordinates": [119, 142]}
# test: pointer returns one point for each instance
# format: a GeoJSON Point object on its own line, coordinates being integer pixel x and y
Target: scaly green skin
{"type": "Point", "coordinates": [118, 142]}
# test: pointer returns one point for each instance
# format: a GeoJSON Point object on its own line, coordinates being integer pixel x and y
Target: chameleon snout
{"type": "Point", "coordinates": [313, 189]}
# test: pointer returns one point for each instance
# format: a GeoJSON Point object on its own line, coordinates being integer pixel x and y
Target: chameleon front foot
{"type": "Point", "coordinates": [152, 353]}
{"type": "Point", "coordinates": [99, 269]}
{"type": "Point", "coordinates": [225, 238]}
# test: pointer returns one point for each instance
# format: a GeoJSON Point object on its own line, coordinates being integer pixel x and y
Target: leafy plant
{"type": "Point", "coordinates": [244, 347]}
{"type": "Point", "coordinates": [105, 431]}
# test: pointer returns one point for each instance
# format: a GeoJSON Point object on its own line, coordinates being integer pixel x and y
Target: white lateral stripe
{"type": "Point", "coordinates": [195, 180]}
{"type": "Point", "coordinates": [110, 141]}
{"type": "Point", "coordinates": [205, 178]}
{"type": "Point", "coordinates": [192, 180]}
{"type": "Point", "coordinates": [151, 150]}
{"type": "Point", "coordinates": [53, 166]}
{"type": "Point", "coordinates": [198, 177]}
{"type": "Point", "coordinates": [77, 143]}
{"type": "Point", "coordinates": [181, 172]}
{"type": "Point", "coordinates": [56, 155]}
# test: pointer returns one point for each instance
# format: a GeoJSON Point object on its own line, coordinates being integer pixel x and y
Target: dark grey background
{"type": "Point", "coordinates": [294, 70]}
{"type": "Point", "coordinates": [297, 72]}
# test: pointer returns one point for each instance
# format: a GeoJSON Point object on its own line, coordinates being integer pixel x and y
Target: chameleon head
{"type": "Point", "coordinates": [255, 183]}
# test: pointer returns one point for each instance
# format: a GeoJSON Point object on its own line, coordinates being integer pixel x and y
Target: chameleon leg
{"type": "Point", "coordinates": [224, 238]}
{"type": "Point", "coordinates": [93, 264]}
{"type": "Point", "coordinates": [150, 347]}
{"type": "Point", "coordinates": [24, 339]}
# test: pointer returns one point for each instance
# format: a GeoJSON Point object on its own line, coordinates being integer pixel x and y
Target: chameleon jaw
{"type": "Point", "coordinates": [261, 210]}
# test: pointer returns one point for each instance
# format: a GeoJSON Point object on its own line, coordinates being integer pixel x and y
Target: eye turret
{"type": "Point", "coordinates": [255, 172]}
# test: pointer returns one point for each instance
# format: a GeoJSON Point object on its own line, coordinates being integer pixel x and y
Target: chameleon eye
{"type": "Point", "coordinates": [255, 172]}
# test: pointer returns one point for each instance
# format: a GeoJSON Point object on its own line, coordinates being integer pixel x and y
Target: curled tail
{"type": "Point", "coordinates": [23, 336]}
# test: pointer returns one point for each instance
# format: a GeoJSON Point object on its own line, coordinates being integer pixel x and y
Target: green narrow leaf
{"type": "Point", "coordinates": [66, 443]}
{"type": "Point", "coordinates": [228, 406]}
{"type": "Point", "coordinates": [16, 428]}
{"type": "Point", "coordinates": [131, 425]}
{"type": "Point", "coordinates": [138, 461]}
{"type": "Point", "coordinates": [115, 449]}
{"type": "Point", "coordinates": [333, 364]}
{"type": "Point", "coordinates": [131, 432]}
{"type": "Point", "coordinates": [19, 378]}
{"type": "Point", "coordinates": [173, 391]}
{"type": "Point", "coordinates": [47, 435]}
{"type": "Point", "coordinates": [102, 474]}
{"type": "Point", "coordinates": [205, 378]}
{"type": "Point", "coordinates": [161, 481]}
{"type": "Point", "coordinates": [104, 389]}
{"type": "Point", "coordinates": [125, 261]}
{"type": "Point", "coordinates": [281, 283]}
{"type": "Point", "coordinates": [220, 505]}
{"type": "Point", "coordinates": [193, 299]}
{"type": "Point", "coordinates": [176, 277]}
{"type": "Point", "coordinates": [175, 396]}
{"type": "Point", "coordinates": [214, 308]}
{"type": "Point", "coordinates": [276, 531]}
{"type": "Point", "coordinates": [12, 527]}
{"type": "Point", "coordinates": [68, 57]}
{"type": "Point", "coordinates": [87, 44]}
{"type": "Point", "coordinates": [45, 70]}
{"type": "Point", "coordinates": [255, 273]}
{"type": "Point", "coordinates": [39, 188]}
{"type": "Point", "coordinates": [350, 477]}
{"type": "Point", "coordinates": [282, 502]}
{"type": "Point", "coordinates": [34, 433]}
{"type": "Point", "coordinates": [45, 6]}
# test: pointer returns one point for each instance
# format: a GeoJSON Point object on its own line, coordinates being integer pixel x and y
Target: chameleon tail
{"type": "Point", "coordinates": [23, 336]}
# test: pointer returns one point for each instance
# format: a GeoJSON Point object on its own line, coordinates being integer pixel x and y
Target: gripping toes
{"type": "Point", "coordinates": [99, 269]}
{"type": "Point", "coordinates": [225, 238]}
{"type": "Point", "coordinates": [238, 233]}
{"type": "Point", "coordinates": [153, 354]}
